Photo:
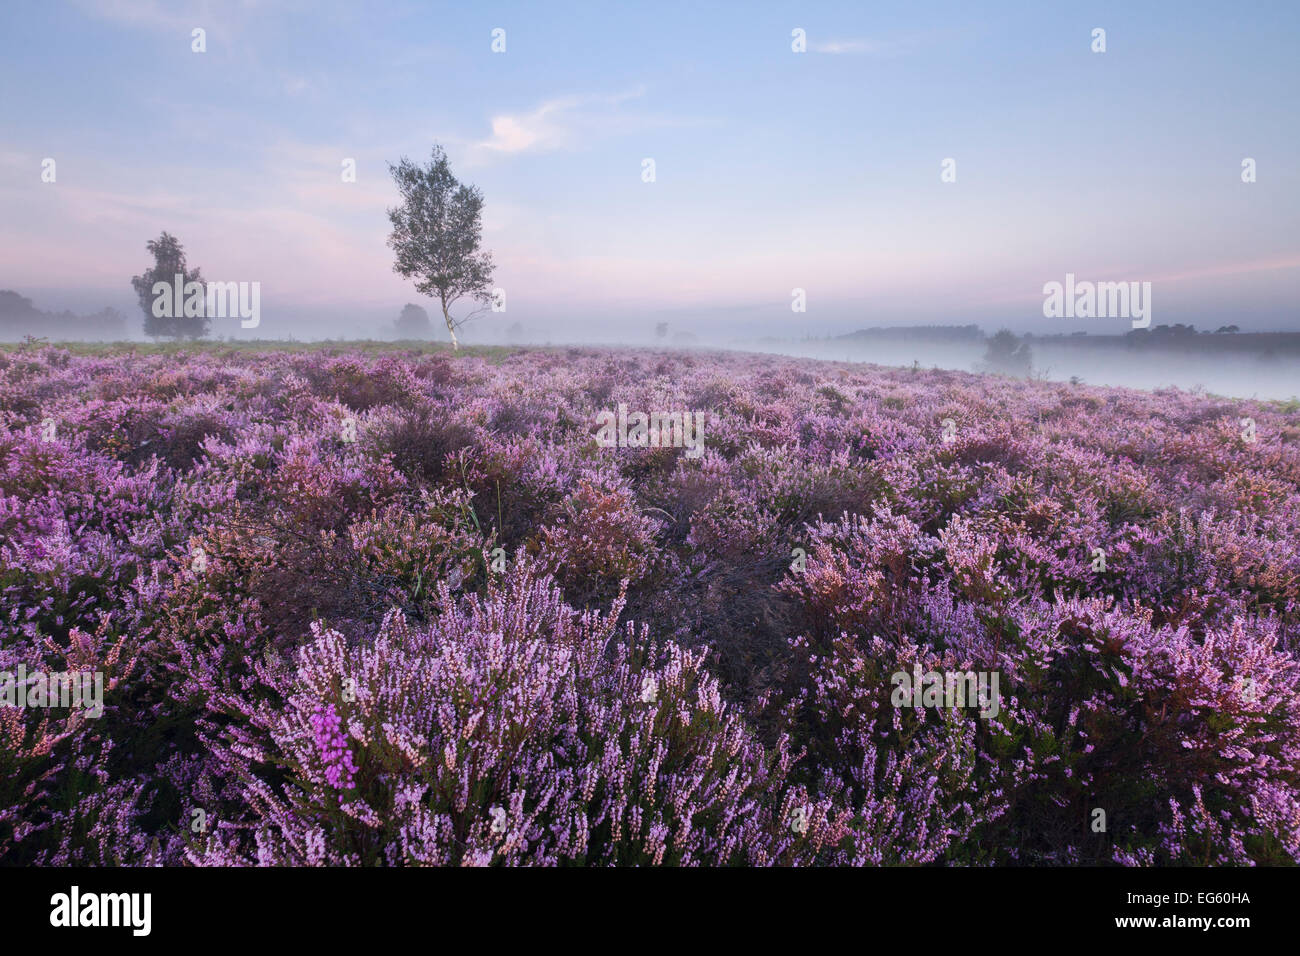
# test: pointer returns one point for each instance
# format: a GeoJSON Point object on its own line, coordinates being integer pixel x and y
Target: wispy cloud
{"type": "Point", "coordinates": [555, 124]}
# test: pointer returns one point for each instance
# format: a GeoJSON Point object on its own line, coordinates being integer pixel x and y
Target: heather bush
{"type": "Point", "coordinates": [917, 784]}
{"type": "Point", "coordinates": [413, 546]}
{"type": "Point", "coordinates": [597, 539]}
{"type": "Point", "coordinates": [513, 730]}
{"type": "Point", "coordinates": [1116, 713]}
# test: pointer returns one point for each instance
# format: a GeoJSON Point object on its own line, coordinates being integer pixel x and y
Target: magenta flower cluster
{"type": "Point", "coordinates": [389, 607]}
{"type": "Point", "coordinates": [335, 754]}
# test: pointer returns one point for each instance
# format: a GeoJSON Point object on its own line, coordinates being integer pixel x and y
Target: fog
{"type": "Point", "coordinates": [1261, 376]}
{"type": "Point", "coordinates": [1225, 365]}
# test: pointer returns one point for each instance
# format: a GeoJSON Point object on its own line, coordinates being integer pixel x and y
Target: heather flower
{"type": "Point", "coordinates": [340, 770]}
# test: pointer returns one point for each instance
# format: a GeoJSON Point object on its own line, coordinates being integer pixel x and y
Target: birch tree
{"type": "Point", "coordinates": [437, 231]}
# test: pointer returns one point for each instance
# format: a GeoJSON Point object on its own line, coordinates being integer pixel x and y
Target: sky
{"type": "Point", "coordinates": [775, 170]}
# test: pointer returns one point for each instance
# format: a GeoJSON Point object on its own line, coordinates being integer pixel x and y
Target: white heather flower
{"type": "Point", "coordinates": [498, 819]}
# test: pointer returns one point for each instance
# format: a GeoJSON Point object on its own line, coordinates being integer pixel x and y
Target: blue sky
{"type": "Point", "coordinates": [774, 169]}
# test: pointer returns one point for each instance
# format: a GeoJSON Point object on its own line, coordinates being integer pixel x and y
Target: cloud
{"type": "Point", "coordinates": [1285, 261]}
{"type": "Point", "coordinates": [536, 130]}
{"type": "Point", "coordinates": [555, 124]}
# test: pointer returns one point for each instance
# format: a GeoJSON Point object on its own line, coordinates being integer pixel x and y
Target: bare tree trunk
{"type": "Point", "coordinates": [455, 346]}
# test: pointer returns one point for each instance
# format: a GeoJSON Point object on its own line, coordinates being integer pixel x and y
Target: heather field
{"type": "Point", "coordinates": [388, 606]}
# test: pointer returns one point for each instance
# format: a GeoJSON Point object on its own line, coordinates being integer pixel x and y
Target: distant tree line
{"type": "Point", "coordinates": [20, 318]}
{"type": "Point", "coordinates": [1226, 339]}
